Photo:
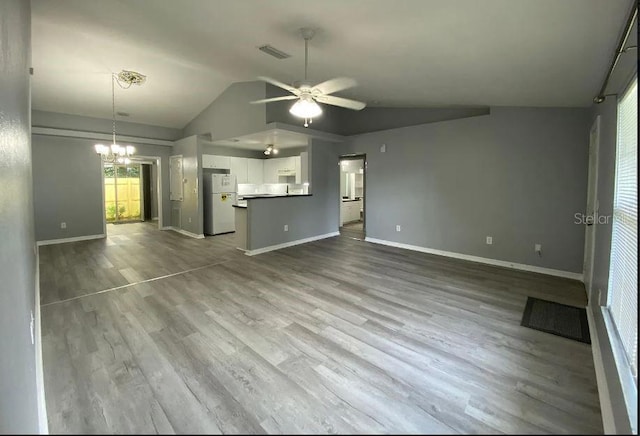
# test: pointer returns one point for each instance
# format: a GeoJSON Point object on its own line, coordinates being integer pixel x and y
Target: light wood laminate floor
{"type": "Point", "coordinates": [333, 336]}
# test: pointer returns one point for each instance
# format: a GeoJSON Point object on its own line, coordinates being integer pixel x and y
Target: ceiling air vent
{"type": "Point", "coordinates": [274, 52]}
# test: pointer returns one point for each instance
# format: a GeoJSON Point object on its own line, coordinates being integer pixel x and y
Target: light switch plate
{"type": "Point", "coordinates": [398, 228]}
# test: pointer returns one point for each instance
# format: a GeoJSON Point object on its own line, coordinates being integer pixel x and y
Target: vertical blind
{"type": "Point", "coordinates": [623, 275]}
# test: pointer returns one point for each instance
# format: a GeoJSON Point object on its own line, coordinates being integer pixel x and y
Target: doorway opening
{"type": "Point", "coordinates": [122, 192]}
{"type": "Point", "coordinates": [353, 175]}
{"type": "Point", "coordinates": [132, 195]}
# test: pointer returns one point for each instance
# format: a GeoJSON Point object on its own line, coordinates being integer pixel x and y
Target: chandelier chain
{"type": "Point", "coordinates": [117, 153]}
{"type": "Point", "coordinates": [113, 105]}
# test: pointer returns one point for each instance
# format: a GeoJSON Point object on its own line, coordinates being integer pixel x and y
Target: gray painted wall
{"type": "Point", "coordinates": [18, 390]}
{"type": "Point", "coordinates": [154, 191]}
{"type": "Point", "coordinates": [191, 204]}
{"type": "Point", "coordinates": [306, 216]}
{"type": "Point", "coordinates": [371, 119]}
{"type": "Point", "coordinates": [67, 185]}
{"type": "Point", "coordinates": [102, 125]}
{"type": "Point", "coordinates": [518, 175]}
{"type": "Point", "coordinates": [230, 114]}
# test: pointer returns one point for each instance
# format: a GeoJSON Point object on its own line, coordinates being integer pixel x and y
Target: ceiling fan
{"type": "Point", "coordinates": [309, 95]}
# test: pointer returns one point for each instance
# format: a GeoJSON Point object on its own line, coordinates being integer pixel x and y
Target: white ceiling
{"type": "Point", "coordinates": [402, 52]}
{"type": "Point", "coordinates": [257, 141]}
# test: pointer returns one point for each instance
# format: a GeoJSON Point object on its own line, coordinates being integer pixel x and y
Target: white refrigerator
{"type": "Point", "coordinates": [219, 198]}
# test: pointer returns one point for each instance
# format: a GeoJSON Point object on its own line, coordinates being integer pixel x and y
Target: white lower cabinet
{"type": "Point", "coordinates": [350, 211]}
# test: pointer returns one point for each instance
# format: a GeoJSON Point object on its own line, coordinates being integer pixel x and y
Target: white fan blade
{"type": "Point", "coordinates": [269, 100]}
{"type": "Point", "coordinates": [335, 85]}
{"type": "Point", "coordinates": [279, 84]}
{"type": "Point", "coordinates": [342, 102]}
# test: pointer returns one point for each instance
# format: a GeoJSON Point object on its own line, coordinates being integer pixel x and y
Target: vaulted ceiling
{"type": "Point", "coordinates": [402, 52]}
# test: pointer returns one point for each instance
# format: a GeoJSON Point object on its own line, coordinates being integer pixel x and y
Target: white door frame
{"type": "Point", "coordinates": [158, 161]}
{"type": "Point", "coordinates": [363, 158]}
{"type": "Point", "coordinates": [592, 206]}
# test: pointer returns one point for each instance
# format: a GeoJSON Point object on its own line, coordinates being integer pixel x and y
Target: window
{"type": "Point", "coordinates": [623, 274]}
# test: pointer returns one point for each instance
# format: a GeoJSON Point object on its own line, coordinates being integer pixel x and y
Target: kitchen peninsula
{"type": "Point", "coordinates": [242, 212]}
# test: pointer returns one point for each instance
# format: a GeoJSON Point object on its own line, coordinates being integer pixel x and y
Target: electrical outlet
{"type": "Point", "coordinates": [286, 227]}
{"type": "Point", "coordinates": [189, 219]}
{"type": "Point", "coordinates": [537, 248]}
{"type": "Point", "coordinates": [383, 148]}
{"type": "Point", "coordinates": [63, 225]}
{"type": "Point", "coordinates": [489, 240]}
{"type": "Point", "coordinates": [398, 228]}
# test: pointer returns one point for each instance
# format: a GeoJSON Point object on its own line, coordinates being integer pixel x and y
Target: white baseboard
{"type": "Point", "coordinates": [184, 232]}
{"type": "Point", "coordinates": [65, 240]}
{"type": "Point", "coordinates": [289, 244]}
{"type": "Point", "coordinates": [606, 407]}
{"type": "Point", "coordinates": [43, 423]}
{"type": "Point", "coordinates": [485, 260]}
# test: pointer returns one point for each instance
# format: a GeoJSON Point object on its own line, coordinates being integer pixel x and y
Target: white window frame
{"type": "Point", "coordinates": [628, 381]}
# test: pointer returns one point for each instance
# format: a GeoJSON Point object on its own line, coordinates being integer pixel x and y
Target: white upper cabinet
{"type": "Point", "coordinates": [271, 170]}
{"type": "Point", "coordinates": [289, 163]}
{"type": "Point", "coordinates": [259, 171]}
{"type": "Point", "coordinates": [213, 161]}
{"type": "Point", "coordinates": [255, 171]}
{"type": "Point", "coordinates": [207, 161]}
{"type": "Point", "coordinates": [298, 168]}
{"type": "Point", "coordinates": [275, 168]}
{"type": "Point", "coordinates": [238, 167]}
{"type": "Point", "coordinates": [304, 168]}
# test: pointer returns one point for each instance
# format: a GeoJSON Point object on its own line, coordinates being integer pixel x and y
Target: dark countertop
{"type": "Point", "coordinates": [344, 200]}
{"type": "Point", "coordinates": [238, 206]}
{"type": "Point", "coordinates": [253, 197]}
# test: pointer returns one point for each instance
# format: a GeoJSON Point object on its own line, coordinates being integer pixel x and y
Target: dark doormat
{"type": "Point", "coordinates": [557, 319]}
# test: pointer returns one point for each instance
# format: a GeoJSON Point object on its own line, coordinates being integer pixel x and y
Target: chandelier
{"type": "Point", "coordinates": [116, 153]}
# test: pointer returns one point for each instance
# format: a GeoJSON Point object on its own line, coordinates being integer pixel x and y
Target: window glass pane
{"type": "Point", "coordinates": [623, 274]}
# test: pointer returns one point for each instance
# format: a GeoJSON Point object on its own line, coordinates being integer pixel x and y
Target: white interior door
{"type": "Point", "coordinates": [592, 206]}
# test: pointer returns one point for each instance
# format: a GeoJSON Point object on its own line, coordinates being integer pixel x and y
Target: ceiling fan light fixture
{"type": "Point", "coordinates": [304, 108]}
